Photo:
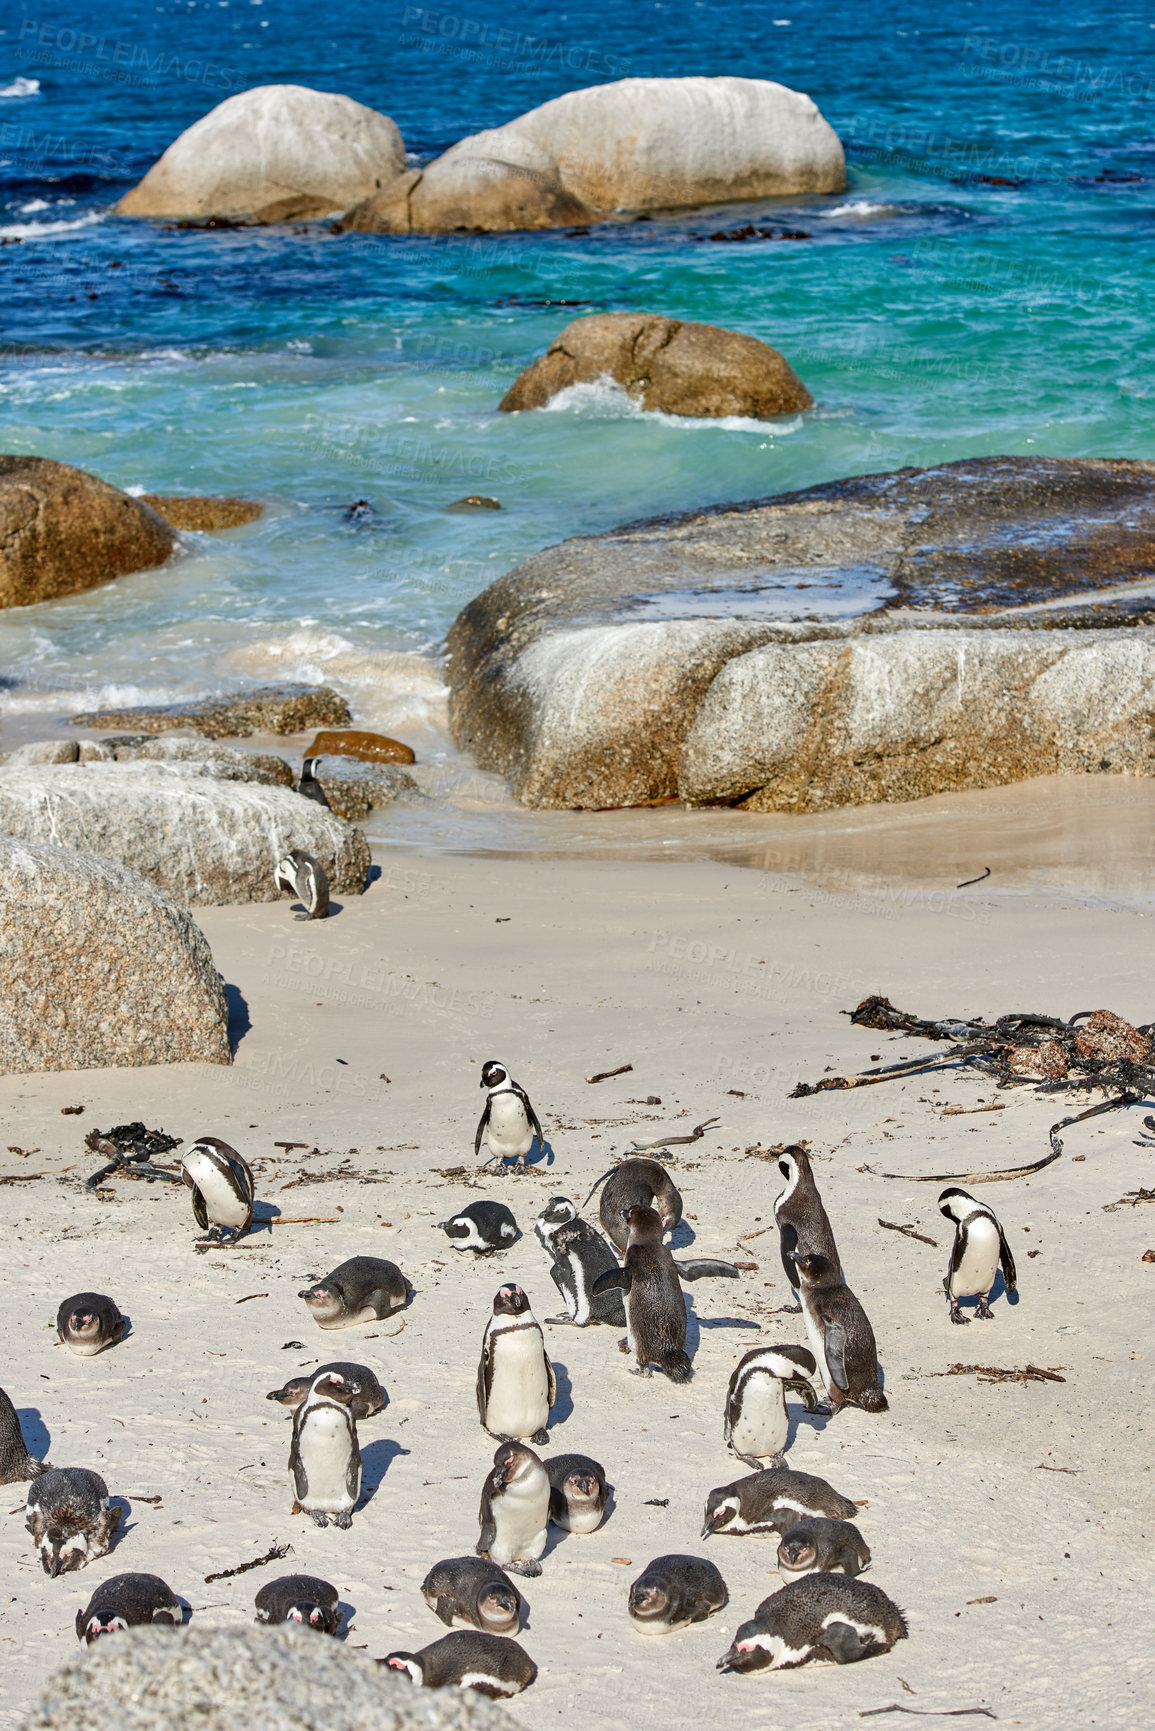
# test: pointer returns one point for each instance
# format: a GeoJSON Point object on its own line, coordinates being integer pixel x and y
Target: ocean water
{"type": "Point", "coordinates": [983, 286]}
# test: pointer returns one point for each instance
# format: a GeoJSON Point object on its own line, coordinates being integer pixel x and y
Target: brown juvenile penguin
{"type": "Point", "coordinates": [655, 1309]}
{"type": "Point", "coordinates": [841, 1337]}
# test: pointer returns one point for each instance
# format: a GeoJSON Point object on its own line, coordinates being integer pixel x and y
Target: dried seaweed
{"type": "Point", "coordinates": [132, 1149]}
{"type": "Point", "coordinates": [995, 1373]}
{"type": "Point", "coordinates": [272, 1555]}
{"type": "Point", "coordinates": [1131, 1200]}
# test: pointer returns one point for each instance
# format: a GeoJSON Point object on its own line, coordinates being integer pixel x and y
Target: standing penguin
{"type": "Point", "coordinates": [509, 1122]}
{"type": "Point", "coordinates": [757, 1424]}
{"type": "Point", "coordinates": [468, 1659]}
{"type": "Point", "coordinates": [577, 1254]}
{"type": "Point", "coordinates": [819, 1617]}
{"type": "Point", "coordinates": [980, 1250]}
{"type": "Point", "coordinates": [70, 1518]}
{"type": "Point", "coordinates": [299, 874]}
{"type": "Point", "coordinates": [15, 1461]}
{"type": "Point", "coordinates": [637, 1184]}
{"type": "Point", "coordinates": [483, 1227]}
{"type": "Point", "coordinates": [303, 1599]}
{"type": "Point", "coordinates": [655, 1308]}
{"type": "Point", "coordinates": [516, 1386]}
{"type": "Point", "coordinates": [222, 1190]}
{"type": "Point", "coordinates": [325, 1457]}
{"type": "Point", "coordinates": [514, 1513]}
{"type": "Point", "coordinates": [363, 1289]}
{"type": "Point", "coordinates": [803, 1224]}
{"type": "Point", "coordinates": [841, 1336]}
{"type": "Point", "coordinates": [88, 1322]}
{"type": "Point", "coordinates": [578, 1493]}
{"type": "Point", "coordinates": [126, 1602]}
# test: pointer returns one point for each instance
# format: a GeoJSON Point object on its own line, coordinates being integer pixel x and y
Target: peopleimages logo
{"type": "Point", "coordinates": [109, 54]}
{"type": "Point", "coordinates": [474, 33]}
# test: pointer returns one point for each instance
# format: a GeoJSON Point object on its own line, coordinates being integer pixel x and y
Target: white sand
{"type": "Point", "coordinates": [593, 967]}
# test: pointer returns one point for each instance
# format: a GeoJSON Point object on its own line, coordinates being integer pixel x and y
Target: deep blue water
{"type": "Point", "coordinates": [984, 285]}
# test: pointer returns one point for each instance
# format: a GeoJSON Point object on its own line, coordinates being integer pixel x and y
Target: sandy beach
{"type": "Point", "coordinates": [1010, 1520]}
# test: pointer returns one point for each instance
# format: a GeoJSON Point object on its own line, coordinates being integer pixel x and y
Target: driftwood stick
{"type": "Point", "coordinates": [1127, 1099]}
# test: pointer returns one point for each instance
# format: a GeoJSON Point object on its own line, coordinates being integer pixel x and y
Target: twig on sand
{"type": "Point", "coordinates": [1127, 1099]}
{"type": "Point", "coordinates": [250, 1295]}
{"type": "Point", "coordinates": [966, 1111]}
{"type": "Point", "coordinates": [908, 1231]}
{"type": "Point", "coordinates": [967, 882]}
{"type": "Point", "coordinates": [272, 1555]}
{"type": "Point", "coordinates": [927, 1712]}
{"type": "Point", "coordinates": [29, 1177]}
{"type": "Point", "coordinates": [695, 1135]}
{"type": "Point", "coordinates": [301, 1220]}
{"type": "Point", "coordinates": [604, 1075]}
{"type": "Point", "coordinates": [290, 1145]}
{"type": "Point", "coordinates": [744, 1236]}
{"type": "Point", "coordinates": [993, 1373]}
{"type": "Point", "coordinates": [1044, 1468]}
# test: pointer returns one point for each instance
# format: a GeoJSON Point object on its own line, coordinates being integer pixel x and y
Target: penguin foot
{"type": "Point", "coordinates": [643, 1370]}
{"type": "Point", "coordinates": [530, 1569]}
{"type": "Point", "coordinates": [559, 1320]}
{"type": "Point", "coordinates": [623, 1344]}
{"type": "Point", "coordinates": [540, 1436]}
{"type": "Point", "coordinates": [344, 1519]}
{"type": "Point", "coordinates": [320, 1518]}
{"type": "Point", "coordinates": [983, 1311]}
{"type": "Point", "coordinates": [753, 1461]}
{"type": "Point", "coordinates": [956, 1314]}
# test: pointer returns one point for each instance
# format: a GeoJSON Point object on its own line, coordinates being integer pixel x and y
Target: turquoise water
{"type": "Point", "coordinates": [983, 286]}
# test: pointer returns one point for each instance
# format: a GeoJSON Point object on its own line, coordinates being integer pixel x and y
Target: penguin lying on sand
{"type": "Point", "coordinates": [655, 1309]}
{"type": "Point", "coordinates": [509, 1122]}
{"type": "Point", "coordinates": [299, 873]}
{"type": "Point", "coordinates": [840, 1335]}
{"type": "Point", "coordinates": [820, 1546]}
{"type": "Point", "coordinates": [829, 1617]}
{"type": "Point", "coordinates": [772, 1502]}
{"type": "Point", "coordinates": [369, 1399]}
{"type": "Point", "coordinates": [516, 1386]}
{"type": "Point", "coordinates": [980, 1249]}
{"type": "Point", "coordinates": [577, 1254]}
{"type": "Point", "coordinates": [473, 1592]}
{"type": "Point", "coordinates": [126, 1602]}
{"type": "Point", "coordinates": [88, 1322]}
{"type": "Point", "coordinates": [578, 1493]}
{"type": "Point", "coordinates": [303, 1599]}
{"type": "Point", "coordinates": [363, 1289]}
{"type": "Point", "coordinates": [636, 1184]}
{"type": "Point", "coordinates": [757, 1425]}
{"type": "Point", "coordinates": [483, 1227]}
{"type": "Point", "coordinates": [70, 1518]}
{"type": "Point", "coordinates": [222, 1188]}
{"type": "Point", "coordinates": [673, 1592]}
{"type": "Point", "coordinates": [468, 1659]}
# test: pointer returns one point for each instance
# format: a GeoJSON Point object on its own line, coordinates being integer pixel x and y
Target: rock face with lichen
{"type": "Point", "coordinates": [683, 369]}
{"type": "Point", "coordinates": [98, 967]}
{"type": "Point", "coordinates": [62, 531]}
{"type": "Point", "coordinates": [200, 512]}
{"type": "Point", "coordinates": [265, 709]}
{"type": "Point", "coordinates": [993, 632]}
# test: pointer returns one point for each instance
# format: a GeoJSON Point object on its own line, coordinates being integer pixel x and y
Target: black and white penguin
{"type": "Point", "coordinates": [473, 1593]}
{"type": "Point", "coordinates": [980, 1249]}
{"type": "Point", "coordinates": [578, 1493]}
{"type": "Point", "coordinates": [369, 1399]}
{"type": "Point", "coordinates": [88, 1322]}
{"type": "Point", "coordinates": [840, 1334]}
{"type": "Point", "coordinates": [830, 1617]}
{"type": "Point", "coordinates": [577, 1254]}
{"type": "Point", "coordinates": [772, 1502]}
{"type": "Point", "coordinates": [516, 1386]}
{"type": "Point", "coordinates": [803, 1224]}
{"type": "Point", "coordinates": [70, 1518]}
{"type": "Point", "coordinates": [222, 1188]}
{"type": "Point", "coordinates": [757, 1424]}
{"type": "Point", "coordinates": [818, 1546]}
{"type": "Point", "coordinates": [303, 1599]}
{"type": "Point", "coordinates": [325, 1456]}
{"type": "Point", "coordinates": [126, 1602]}
{"type": "Point", "coordinates": [509, 1122]}
{"type": "Point", "coordinates": [514, 1513]}
{"type": "Point", "coordinates": [16, 1464]}
{"type": "Point", "coordinates": [468, 1659]}
{"type": "Point", "coordinates": [299, 873]}
{"type": "Point", "coordinates": [363, 1289]}
{"type": "Point", "coordinates": [483, 1227]}
{"type": "Point", "coordinates": [673, 1592]}
{"type": "Point", "coordinates": [637, 1184]}
{"type": "Point", "coordinates": [655, 1308]}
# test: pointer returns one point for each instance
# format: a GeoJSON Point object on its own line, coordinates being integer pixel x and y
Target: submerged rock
{"type": "Point", "coordinates": [352, 789]}
{"type": "Point", "coordinates": [276, 153]}
{"type": "Point", "coordinates": [880, 638]}
{"type": "Point", "coordinates": [683, 369]}
{"type": "Point", "coordinates": [475, 502]}
{"type": "Point", "coordinates": [200, 512]}
{"type": "Point", "coordinates": [266, 709]}
{"type": "Point", "coordinates": [62, 531]}
{"type": "Point", "coordinates": [100, 968]}
{"type": "Point", "coordinates": [636, 145]}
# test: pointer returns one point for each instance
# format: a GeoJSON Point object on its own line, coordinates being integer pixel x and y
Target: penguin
{"type": "Point", "coordinates": [303, 1599]}
{"type": "Point", "coordinates": [577, 1254]}
{"type": "Point", "coordinates": [516, 1386]}
{"type": "Point", "coordinates": [757, 1425]}
{"type": "Point", "coordinates": [831, 1617]}
{"type": "Point", "coordinates": [803, 1224]}
{"type": "Point", "coordinates": [655, 1308]}
{"type": "Point", "coordinates": [70, 1518]}
{"type": "Point", "coordinates": [980, 1250]}
{"type": "Point", "coordinates": [88, 1322]}
{"type": "Point", "coordinates": [222, 1188]}
{"type": "Point", "coordinates": [369, 1399]}
{"type": "Point", "coordinates": [325, 1457]}
{"type": "Point", "coordinates": [819, 1546]}
{"type": "Point", "coordinates": [468, 1659]}
{"type": "Point", "coordinates": [514, 1512]}
{"type": "Point", "coordinates": [473, 1592]}
{"type": "Point", "coordinates": [16, 1463]}
{"type": "Point", "coordinates": [482, 1227]}
{"type": "Point", "coordinates": [840, 1335]}
{"type": "Point", "coordinates": [637, 1184]}
{"type": "Point", "coordinates": [509, 1122]}
{"type": "Point", "coordinates": [772, 1501]}
{"type": "Point", "coordinates": [673, 1592]}
{"type": "Point", "coordinates": [300, 874]}
{"type": "Point", "coordinates": [125, 1602]}
{"type": "Point", "coordinates": [578, 1493]}
{"type": "Point", "coordinates": [364, 1289]}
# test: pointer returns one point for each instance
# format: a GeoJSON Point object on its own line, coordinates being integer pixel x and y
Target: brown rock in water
{"type": "Point", "coordinates": [100, 968]}
{"type": "Point", "coordinates": [203, 513]}
{"type": "Point", "coordinates": [475, 502]}
{"type": "Point", "coordinates": [62, 531]}
{"type": "Point", "coordinates": [1105, 1035]}
{"type": "Point", "coordinates": [365, 747]}
{"type": "Point", "coordinates": [267, 709]}
{"type": "Point", "coordinates": [682, 369]}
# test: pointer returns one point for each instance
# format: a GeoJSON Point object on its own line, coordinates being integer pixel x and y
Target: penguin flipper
{"type": "Point", "coordinates": [482, 1122]}
{"type": "Point", "coordinates": [446, 1608]}
{"type": "Point", "coordinates": [612, 1277]}
{"type": "Point", "coordinates": [1006, 1262]}
{"type": "Point", "coordinates": [788, 1244]}
{"type": "Point", "coordinates": [534, 1123]}
{"type": "Point", "coordinates": [800, 1385]}
{"type": "Point", "coordinates": [550, 1379]}
{"type": "Point", "coordinates": [200, 1212]}
{"type": "Point", "coordinates": [834, 1346]}
{"type": "Point", "coordinates": [845, 1644]}
{"type": "Point", "coordinates": [484, 1378]}
{"type": "Point", "coordinates": [956, 1254]}
{"type": "Point", "coordinates": [704, 1268]}
{"type": "Point", "coordinates": [488, 1534]}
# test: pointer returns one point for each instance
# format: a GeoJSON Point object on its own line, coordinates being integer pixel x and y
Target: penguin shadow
{"type": "Point", "coordinates": [264, 1213]}
{"type": "Point", "coordinates": [695, 1324]}
{"type": "Point", "coordinates": [346, 1612]}
{"type": "Point", "coordinates": [240, 1022]}
{"type": "Point", "coordinates": [126, 1523]}
{"type": "Point", "coordinates": [797, 1416]}
{"type": "Point", "coordinates": [562, 1407]}
{"type": "Point", "coordinates": [186, 1610]}
{"type": "Point", "coordinates": [376, 1459]}
{"type": "Point", "coordinates": [37, 1436]}
{"type": "Point", "coordinates": [300, 912]}
{"type": "Point", "coordinates": [682, 1236]}
{"type": "Point", "coordinates": [997, 1291]}
{"type": "Point", "coordinates": [541, 1154]}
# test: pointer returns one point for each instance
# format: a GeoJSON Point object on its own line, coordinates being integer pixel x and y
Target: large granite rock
{"type": "Point", "coordinates": [276, 153]}
{"type": "Point", "coordinates": [62, 530]}
{"type": "Point", "coordinates": [98, 968]}
{"type": "Point", "coordinates": [245, 1679]}
{"type": "Point", "coordinates": [264, 709]}
{"type": "Point", "coordinates": [637, 145]}
{"type": "Point", "coordinates": [204, 841]}
{"type": "Point", "coordinates": [223, 761]}
{"type": "Point", "coordinates": [354, 789]}
{"type": "Point", "coordinates": [202, 512]}
{"type": "Point", "coordinates": [684, 369]}
{"type": "Point", "coordinates": [880, 638]}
